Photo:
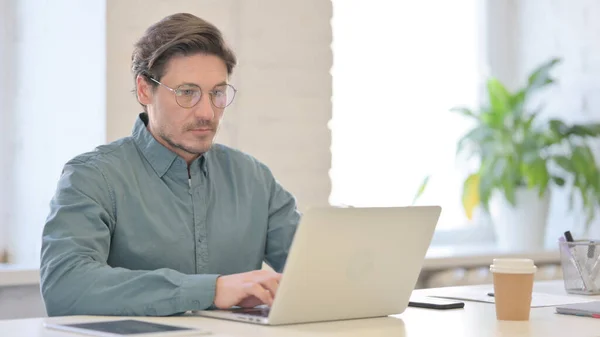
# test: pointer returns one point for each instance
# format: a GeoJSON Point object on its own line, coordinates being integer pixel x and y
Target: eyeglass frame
{"type": "Point", "coordinates": [174, 91]}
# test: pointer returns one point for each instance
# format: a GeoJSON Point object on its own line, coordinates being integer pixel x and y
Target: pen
{"type": "Point", "coordinates": [568, 236]}
{"type": "Point", "coordinates": [596, 266]}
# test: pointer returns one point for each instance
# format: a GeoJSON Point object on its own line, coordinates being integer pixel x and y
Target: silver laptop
{"type": "Point", "coordinates": [348, 263]}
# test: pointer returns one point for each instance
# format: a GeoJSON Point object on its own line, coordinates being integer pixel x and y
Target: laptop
{"type": "Point", "coordinates": [347, 263]}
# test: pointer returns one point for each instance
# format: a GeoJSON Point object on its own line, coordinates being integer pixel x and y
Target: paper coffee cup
{"type": "Point", "coordinates": [513, 285]}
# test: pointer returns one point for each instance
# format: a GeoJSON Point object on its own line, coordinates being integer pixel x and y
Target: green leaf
{"type": "Point", "coordinates": [592, 130]}
{"type": "Point", "coordinates": [476, 136]}
{"type": "Point", "coordinates": [582, 192]}
{"type": "Point", "coordinates": [500, 98]}
{"type": "Point", "coordinates": [558, 181]}
{"type": "Point", "coordinates": [564, 162]}
{"type": "Point", "coordinates": [528, 122]}
{"type": "Point", "coordinates": [487, 180]}
{"type": "Point", "coordinates": [421, 189]}
{"type": "Point", "coordinates": [540, 77]}
{"type": "Point", "coordinates": [558, 127]}
{"type": "Point", "coordinates": [544, 181]}
{"type": "Point", "coordinates": [509, 190]}
{"type": "Point", "coordinates": [491, 119]}
{"type": "Point", "coordinates": [537, 175]}
{"type": "Point", "coordinates": [518, 100]}
{"type": "Point", "coordinates": [586, 179]}
{"type": "Point", "coordinates": [591, 211]}
{"type": "Point", "coordinates": [580, 163]}
{"type": "Point", "coordinates": [498, 166]}
{"type": "Point", "coordinates": [465, 112]}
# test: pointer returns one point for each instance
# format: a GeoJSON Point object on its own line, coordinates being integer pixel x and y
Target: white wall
{"type": "Point", "coordinates": [283, 104]}
{"type": "Point", "coordinates": [72, 92]}
{"type": "Point", "coordinates": [500, 40]}
{"type": "Point", "coordinates": [59, 106]}
{"type": "Point", "coordinates": [569, 29]}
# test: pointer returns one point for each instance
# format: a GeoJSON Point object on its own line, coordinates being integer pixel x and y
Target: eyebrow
{"type": "Point", "coordinates": [198, 85]}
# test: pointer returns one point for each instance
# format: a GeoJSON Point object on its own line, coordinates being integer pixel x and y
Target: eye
{"type": "Point", "coordinates": [218, 93]}
{"type": "Point", "coordinates": [186, 92]}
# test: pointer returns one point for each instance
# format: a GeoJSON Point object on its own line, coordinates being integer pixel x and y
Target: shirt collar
{"type": "Point", "coordinates": [159, 157]}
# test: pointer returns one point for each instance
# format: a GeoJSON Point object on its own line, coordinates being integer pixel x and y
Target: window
{"type": "Point", "coordinates": [47, 115]}
{"type": "Point", "coordinates": [5, 116]}
{"type": "Point", "coordinates": [399, 66]}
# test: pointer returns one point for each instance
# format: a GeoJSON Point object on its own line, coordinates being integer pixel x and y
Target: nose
{"type": "Point", "coordinates": [204, 109]}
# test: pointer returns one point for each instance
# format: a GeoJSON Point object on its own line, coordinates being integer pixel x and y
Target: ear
{"type": "Point", "coordinates": [143, 91]}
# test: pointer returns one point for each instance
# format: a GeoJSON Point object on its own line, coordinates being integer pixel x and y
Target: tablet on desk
{"type": "Point", "coordinates": [126, 327]}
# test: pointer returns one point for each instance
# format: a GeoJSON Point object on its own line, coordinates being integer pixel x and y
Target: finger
{"type": "Point", "coordinates": [271, 275]}
{"type": "Point", "coordinates": [261, 293]}
{"type": "Point", "coordinates": [250, 302]}
{"type": "Point", "coordinates": [271, 285]}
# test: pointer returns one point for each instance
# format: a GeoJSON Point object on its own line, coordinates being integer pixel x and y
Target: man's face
{"type": "Point", "coordinates": [189, 132]}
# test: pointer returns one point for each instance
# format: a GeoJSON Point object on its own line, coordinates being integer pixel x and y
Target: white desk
{"type": "Point", "coordinates": [476, 320]}
{"type": "Point", "coordinates": [17, 275]}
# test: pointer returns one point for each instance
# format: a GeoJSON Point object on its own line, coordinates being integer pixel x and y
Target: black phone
{"type": "Point", "coordinates": [435, 303]}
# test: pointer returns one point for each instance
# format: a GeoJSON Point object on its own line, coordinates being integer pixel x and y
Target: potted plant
{"type": "Point", "coordinates": [520, 155]}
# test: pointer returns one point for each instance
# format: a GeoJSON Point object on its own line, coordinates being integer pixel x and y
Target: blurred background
{"type": "Point", "coordinates": [347, 101]}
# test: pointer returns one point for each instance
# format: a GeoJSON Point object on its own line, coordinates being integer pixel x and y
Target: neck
{"type": "Point", "coordinates": [188, 157]}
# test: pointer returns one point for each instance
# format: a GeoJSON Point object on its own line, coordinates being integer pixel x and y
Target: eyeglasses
{"type": "Point", "coordinates": [188, 95]}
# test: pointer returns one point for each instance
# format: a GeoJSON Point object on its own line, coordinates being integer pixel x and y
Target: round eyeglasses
{"type": "Point", "coordinates": [188, 95]}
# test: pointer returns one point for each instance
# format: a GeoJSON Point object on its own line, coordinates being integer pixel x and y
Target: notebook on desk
{"type": "Point", "coordinates": [589, 309]}
{"type": "Point", "coordinates": [538, 300]}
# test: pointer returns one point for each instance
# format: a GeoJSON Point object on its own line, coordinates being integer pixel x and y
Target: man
{"type": "Point", "coordinates": [165, 221]}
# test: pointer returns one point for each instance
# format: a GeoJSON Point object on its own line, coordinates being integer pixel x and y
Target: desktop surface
{"type": "Point", "coordinates": [476, 319]}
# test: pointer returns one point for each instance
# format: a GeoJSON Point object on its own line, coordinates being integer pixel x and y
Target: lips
{"type": "Point", "coordinates": [202, 132]}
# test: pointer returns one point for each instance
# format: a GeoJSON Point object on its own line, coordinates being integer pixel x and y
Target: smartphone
{"type": "Point", "coordinates": [435, 303]}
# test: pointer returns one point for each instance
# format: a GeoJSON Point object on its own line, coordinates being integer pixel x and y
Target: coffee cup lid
{"type": "Point", "coordinates": [513, 266]}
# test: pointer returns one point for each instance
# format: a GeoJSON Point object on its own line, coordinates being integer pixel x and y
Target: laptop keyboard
{"type": "Point", "coordinates": [260, 312]}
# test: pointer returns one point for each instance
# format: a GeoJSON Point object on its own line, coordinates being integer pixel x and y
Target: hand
{"type": "Point", "coordinates": [246, 290]}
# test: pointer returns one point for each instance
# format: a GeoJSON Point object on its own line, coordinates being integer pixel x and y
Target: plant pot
{"type": "Point", "coordinates": [521, 227]}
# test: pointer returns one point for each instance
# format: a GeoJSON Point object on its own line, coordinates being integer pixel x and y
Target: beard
{"type": "Point", "coordinates": [203, 144]}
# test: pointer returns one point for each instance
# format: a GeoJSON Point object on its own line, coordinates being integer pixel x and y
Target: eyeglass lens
{"type": "Point", "coordinates": [189, 95]}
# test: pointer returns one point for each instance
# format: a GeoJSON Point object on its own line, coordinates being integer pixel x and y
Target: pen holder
{"type": "Point", "coordinates": [580, 262]}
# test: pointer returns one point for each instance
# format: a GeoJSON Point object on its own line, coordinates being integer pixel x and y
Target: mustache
{"type": "Point", "coordinates": [200, 124]}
